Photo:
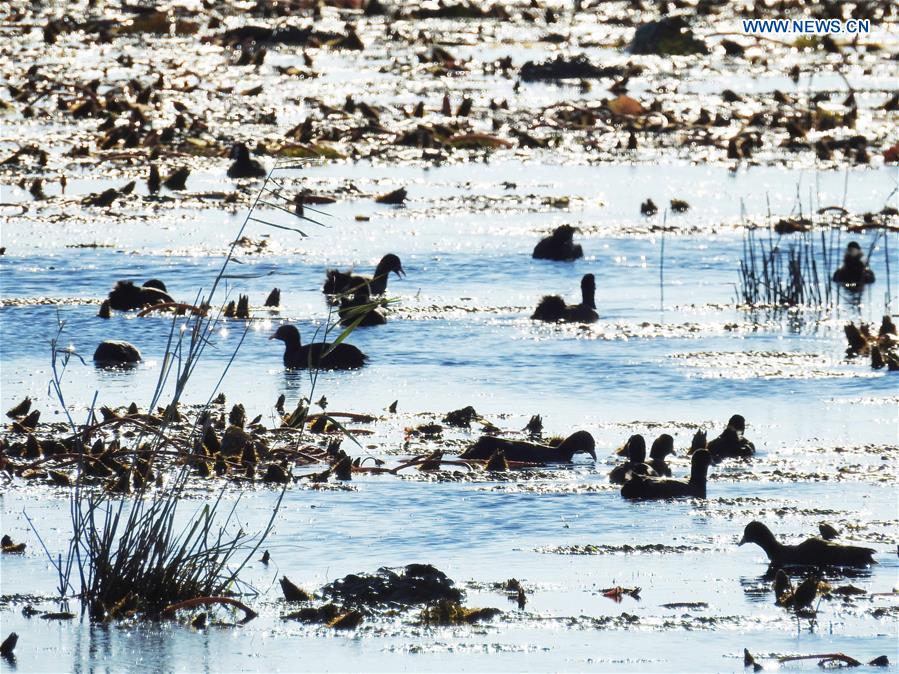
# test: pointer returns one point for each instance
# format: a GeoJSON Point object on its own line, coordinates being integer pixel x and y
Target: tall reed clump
{"type": "Point", "coordinates": [134, 553]}
{"type": "Point", "coordinates": [796, 273]}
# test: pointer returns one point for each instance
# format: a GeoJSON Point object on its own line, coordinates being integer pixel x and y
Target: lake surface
{"type": "Point", "coordinates": [673, 350]}
{"type": "Point", "coordinates": [459, 334]}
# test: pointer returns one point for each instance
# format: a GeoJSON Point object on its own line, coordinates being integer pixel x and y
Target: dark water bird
{"type": "Point", "coordinates": [126, 296]}
{"type": "Point", "coordinates": [661, 447]}
{"type": "Point", "coordinates": [811, 552]}
{"type": "Point", "coordinates": [355, 308]}
{"type": "Point", "coordinates": [339, 283]}
{"type": "Point", "coordinates": [322, 355]}
{"type": "Point", "coordinates": [731, 443]}
{"type": "Point", "coordinates": [580, 442]}
{"type": "Point", "coordinates": [116, 352]}
{"type": "Point", "coordinates": [552, 308]}
{"type": "Point", "coordinates": [242, 165]}
{"type": "Point", "coordinates": [854, 271]}
{"type": "Point", "coordinates": [559, 246]}
{"type": "Point", "coordinates": [635, 449]}
{"type": "Point", "coordinates": [645, 487]}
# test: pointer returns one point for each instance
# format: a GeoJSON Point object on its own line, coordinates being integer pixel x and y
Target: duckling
{"type": "Point", "coordinates": [339, 283]}
{"type": "Point", "coordinates": [731, 443]}
{"type": "Point", "coordinates": [552, 308]}
{"type": "Point", "coordinates": [243, 166]}
{"type": "Point", "coordinates": [126, 296]}
{"type": "Point", "coordinates": [854, 272]}
{"type": "Point", "coordinates": [635, 449]}
{"type": "Point", "coordinates": [322, 355]}
{"type": "Point", "coordinates": [580, 442]}
{"type": "Point", "coordinates": [811, 552]}
{"type": "Point", "coordinates": [559, 246]}
{"type": "Point", "coordinates": [661, 447]}
{"type": "Point", "coordinates": [644, 487]}
{"type": "Point", "coordinates": [110, 353]}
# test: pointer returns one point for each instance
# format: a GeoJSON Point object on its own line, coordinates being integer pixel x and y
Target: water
{"type": "Point", "coordinates": [670, 353]}
{"type": "Point", "coordinates": [458, 335]}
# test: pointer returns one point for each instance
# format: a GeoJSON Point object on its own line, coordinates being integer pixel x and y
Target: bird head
{"type": "Point", "coordinates": [662, 447]}
{"type": "Point", "coordinates": [287, 334]}
{"type": "Point", "coordinates": [580, 442]}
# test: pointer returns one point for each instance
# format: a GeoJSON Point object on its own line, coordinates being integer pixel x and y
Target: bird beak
{"type": "Point", "coordinates": [400, 272]}
{"type": "Point", "coordinates": [591, 453]}
{"type": "Point", "coordinates": [742, 540]}
{"type": "Point", "coordinates": [273, 337]}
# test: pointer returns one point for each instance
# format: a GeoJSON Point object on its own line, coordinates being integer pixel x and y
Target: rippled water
{"type": "Point", "coordinates": [670, 352]}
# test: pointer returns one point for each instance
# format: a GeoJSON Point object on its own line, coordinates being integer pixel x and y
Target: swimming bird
{"type": "Point", "coordinates": [552, 308]}
{"type": "Point", "coordinates": [661, 447]}
{"type": "Point", "coordinates": [126, 296]}
{"type": "Point", "coordinates": [559, 246]}
{"type": "Point", "coordinates": [580, 442]}
{"type": "Point", "coordinates": [811, 552]}
{"type": "Point", "coordinates": [339, 283]}
{"type": "Point", "coordinates": [115, 352]}
{"type": "Point", "coordinates": [644, 487]}
{"type": "Point", "coordinates": [854, 271]}
{"type": "Point", "coordinates": [731, 443]}
{"type": "Point", "coordinates": [243, 166]}
{"type": "Point", "coordinates": [323, 355]}
{"type": "Point", "coordinates": [635, 448]}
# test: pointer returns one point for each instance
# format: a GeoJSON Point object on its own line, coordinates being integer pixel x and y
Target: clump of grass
{"type": "Point", "coordinates": [778, 274]}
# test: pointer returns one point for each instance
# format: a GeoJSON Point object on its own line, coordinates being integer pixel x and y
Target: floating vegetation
{"type": "Point", "coordinates": [414, 584]}
{"type": "Point", "coordinates": [883, 348]}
